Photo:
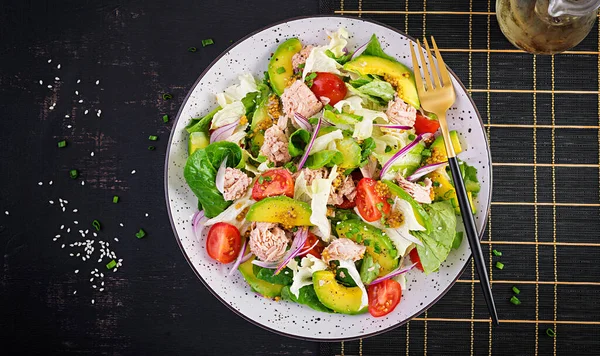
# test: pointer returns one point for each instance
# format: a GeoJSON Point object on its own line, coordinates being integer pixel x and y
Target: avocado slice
{"type": "Point", "coordinates": [397, 74]}
{"type": "Point", "coordinates": [280, 210]}
{"type": "Point", "coordinates": [350, 151]}
{"type": "Point", "coordinates": [260, 121]}
{"type": "Point", "coordinates": [280, 65]}
{"type": "Point", "coordinates": [264, 288]}
{"type": "Point", "coordinates": [337, 297]}
{"type": "Point", "coordinates": [196, 141]}
{"type": "Point", "coordinates": [444, 190]}
{"type": "Point", "coordinates": [438, 148]}
{"type": "Point", "coordinates": [379, 246]}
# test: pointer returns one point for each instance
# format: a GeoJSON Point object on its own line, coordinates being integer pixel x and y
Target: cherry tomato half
{"type": "Point", "coordinates": [383, 297]}
{"type": "Point", "coordinates": [315, 251]}
{"type": "Point", "coordinates": [414, 257]}
{"type": "Point", "coordinates": [330, 86]}
{"type": "Point", "coordinates": [272, 183]}
{"type": "Point", "coordinates": [224, 242]}
{"type": "Point", "coordinates": [425, 125]}
{"type": "Point", "coordinates": [370, 205]}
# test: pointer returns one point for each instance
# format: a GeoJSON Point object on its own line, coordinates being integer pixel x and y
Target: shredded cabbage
{"type": "Point", "coordinates": [237, 92]}
{"type": "Point", "coordinates": [238, 134]}
{"type": "Point", "coordinates": [230, 214]}
{"type": "Point", "coordinates": [325, 141]}
{"type": "Point", "coordinates": [319, 61]}
{"type": "Point", "coordinates": [364, 128]}
{"type": "Point", "coordinates": [339, 40]}
{"type": "Point", "coordinates": [303, 272]}
{"type": "Point", "coordinates": [353, 272]}
{"type": "Point", "coordinates": [321, 188]}
{"type": "Point", "coordinates": [229, 114]}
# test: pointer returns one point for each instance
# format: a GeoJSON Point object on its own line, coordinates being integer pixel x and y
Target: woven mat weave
{"type": "Point", "coordinates": [542, 118]}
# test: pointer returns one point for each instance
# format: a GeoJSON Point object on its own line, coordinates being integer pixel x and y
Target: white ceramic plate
{"type": "Point", "coordinates": [251, 54]}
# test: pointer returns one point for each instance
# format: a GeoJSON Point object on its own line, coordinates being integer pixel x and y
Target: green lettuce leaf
{"type": "Point", "coordinates": [298, 141]}
{"type": "Point", "coordinates": [367, 148]}
{"type": "Point", "coordinates": [200, 173]}
{"type": "Point", "coordinates": [325, 158]}
{"type": "Point", "coordinates": [438, 243]}
{"type": "Point", "coordinates": [201, 124]}
{"type": "Point", "coordinates": [469, 174]}
{"type": "Point", "coordinates": [374, 49]}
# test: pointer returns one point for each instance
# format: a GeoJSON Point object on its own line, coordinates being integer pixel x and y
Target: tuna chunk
{"type": "Point", "coordinates": [298, 98]}
{"type": "Point", "coordinates": [401, 113]}
{"type": "Point", "coordinates": [343, 249]}
{"type": "Point", "coordinates": [343, 189]}
{"type": "Point", "coordinates": [300, 58]}
{"type": "Point", "coordinates": [311, 174]}
{"type": "Point", "coordinates": [236, 184]}
{"type": "Point", "coordinates": [268, 241]}
{"type": "Point", "coordinates": [275, 147]}
{"type": "Point", "coordinates": [420, 193]}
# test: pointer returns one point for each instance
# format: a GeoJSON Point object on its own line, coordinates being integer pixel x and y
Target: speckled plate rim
{"type": "Point", "coordinates": [187, 258]}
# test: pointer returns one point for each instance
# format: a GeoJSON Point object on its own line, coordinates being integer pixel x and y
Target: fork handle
{"type": "Point", "coordinates": [472, 236]}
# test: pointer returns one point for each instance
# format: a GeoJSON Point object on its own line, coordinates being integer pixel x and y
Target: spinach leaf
{"type": "Point", "coordinates": [200, 173]}
{"type": "Point", "coordinates": [342, 276]}
{"type": "Point", "coordinates": [298, 141]}
{"type": "Point", "coordinates": [438, 242]}
{"type": "Point", "coordinates": [284, 277]}
{"type": "Point", "coordinates": [367, 147]}
{"type": "Point", "coordinates": [378, 88]}
{"type": "Point", "coordinates": [325, 158]}
{"type": "Point", "coordinates": [306, 296]}
{"type": "Point", "coordinates": [374, 49]}
{"type": "Point", "coordinates": [201, 124]}
{"type": "Point", "coordinates": [369, 269]}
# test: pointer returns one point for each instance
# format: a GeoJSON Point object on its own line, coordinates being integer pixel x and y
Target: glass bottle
{"type": "Point", "coordinates": [546, 26]}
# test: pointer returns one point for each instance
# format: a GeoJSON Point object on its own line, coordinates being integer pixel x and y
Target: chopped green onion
{"type": "Point", "coordinates": [192, 49]}
{"type": "Point", "coordinates": [151, 148]}
{"type": "Point", "coordinates": [261, 180]}
{"type": "Point", "coordinates": [112, 264]}
{"type": "Point", "coordinates": [550, 332]}
{"type": "Point", "coordinates": [497, 253]}
{"type": "Point", "coordinates": [73, 173]}
{"type": "Point", "coordinates": [280, 70]}
{"type": "Point", "coordinates": [207, 42]}
{"type": "Point", "coordinates": [426, 153]}
{"type": "Point", "coordinates": [412, 137]}
{"type": "Point", "coordinates": [96, 225]}
{"type": "Point", "coordinates": [515, 300]}
{"type": "Point", "coordinates": [167, 96]}
{"type": "Point", "coordinates": [516, 290]}
{"type": "Point", "coordinates": [436, 184]}
{"type": "Point", "coordinates": [140, 234]}
{"type": "Point", "coordinates": [165, 118]}
{"type": "Point", "coordinates": [499, 265]}
{"type": "Point", "coordinates": [116, 199]}
{"type": "Point", "coordinates": [309, 79]}
{"type": "Point", "coordinates": [152, 137]}
{"type": "Point", "coordinates": [62, 144]}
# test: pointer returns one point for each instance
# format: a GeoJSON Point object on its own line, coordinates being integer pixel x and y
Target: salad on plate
{"type": "Point", "coordinates": [324, 182]}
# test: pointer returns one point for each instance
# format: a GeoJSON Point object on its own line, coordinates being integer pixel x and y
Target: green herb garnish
{"type": "Point", "coordinates": [550, 332]}
{"type": "Point", "coordinates": [309, 79]}
{"type": "Point", "coordinates": [261, 180]}
{"type": "Point", "coordinates": [426, 153]}
{"type": "Point", "coordinates": [499, 265]}
{"type": "Point", "coordinates": [112, 264]}
{"type": "Point", "coordinates": [436, 184]}
{"type": "Point", "coordinates": [151, 148]}
{"type": "Point", "coordinates": [73, 173]}
{"type": "Point", "coordinates": [515, 300]}
{"type": "Point", "coordinates": [412, 137]}
{"type": "Point", "coordinates": [207, 42]}
{"type": "Point", "coordinates": [167, 96]}
{"type": "Point", "coordinates": [140, 234]}
{"type": "Point", "coordinates": [192, 49]}
{"type": "Point", "coordinates": [96, 225]}
{"type": "Point", "coordinates": [115, 199]}
{"type": "Point", "coordinates": [165, 118]}
{"type": "Point", "coordinates": [152, 137]}
{"type": "Point", "coordinates": [516, 290]}
{"type": "Point", "coordinates": [62, 144]}
{"type": "Point", "coordinates": [496, 253]}
{"type": "Point", "coordinates": [280, 70]}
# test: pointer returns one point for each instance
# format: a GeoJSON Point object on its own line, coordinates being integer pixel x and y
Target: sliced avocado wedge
{"type": "Point", "coordinates": [439, 149]}
{"type": "Point", "coordinates": [444, 190]}
{"type": "Point", "coordinates": [379, 246]}
{"type": "Point", "coordinates": [342, 299]}
{"type": "Point", "coordinates": [280, 210]}
{"type": "Point", "coordinates": [264, 288]}
{"type": "Point", "coordinates": [280, 66]}
{"type": "Point", "coordinates": [196, 141]}
{"type": "Point", "coordinates": [397, 74]}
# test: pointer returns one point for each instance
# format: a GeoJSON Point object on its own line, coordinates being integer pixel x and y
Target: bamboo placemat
{"type": "Point", "coordinates": [543, 122]}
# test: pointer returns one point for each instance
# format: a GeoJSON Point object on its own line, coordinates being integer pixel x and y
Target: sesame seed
{"type": "Point", "coordinates": [92, 154]}
{"type": "Point", "coordinates": [133, 172]}
{"type": "Point", "coordinates": [102, 283]}
{"type": "Point", "coordinates": [116, 239]}
{"type": "Point", "coordinates": [67, 116]}
{"type": "Point", "coordinates": [49, 61]}
{"type": "Point", "coordinates": [56, 78]}
{"type": "Point", "coordinates": [93, 301]}
{"type": "Point", "coordinates": [71, 255]}
{"type": "Point", "coordinates": [63, 209]}
{"type": "Point", "coordinates": [40, 183]}
{"type": "Point", "coordinates": [51, 202]}
{"type": "Point", "coordinates": [50, 182]}
{"type": "Point", "coordinates": [63, 246]}
{"type": "Point", "coordinates": [82, 183]}
{"type": "Point", "coordinates": [76, 271]}
{"type": "Point", "coordinates": [7, 213]}
{"type": "Point", "coordinates": [94, 286]}
{"type": "Point", "coordinates": [97, 82]}
{"type": "Point", "coordinates": [57, 236]}
{"type": "Point", "coordinates": [51, 108]}
{"type": "Point", "coordinates": [78, 81]}
{"type": "Point", "coordinates": [75, 222]}
{"type": "Point", "coordinates": [146, 214]}
{"type": "Point", "coordinates": [68, 229]}
{"type": "Point", "coordinates": [121, 224]}
{"type": "Point", "coordinates": [49, 86]}
{"type": "Point", "coordinates": [41, 82]}
{"type": "Point", "coordinates": [76, 92]}
{"type": "Point", "coordinates": [95, 234]}
{"type": "Point", "coordinates": [58, 66]}
{"type": "Point", "coordinates": [101, 289]}
{"type": "Point", "coordinates": [80, 101]}
{"type": "Point", "coordinates": [69, 126]}
{"type": "Point", "coordinates": [86, 112]}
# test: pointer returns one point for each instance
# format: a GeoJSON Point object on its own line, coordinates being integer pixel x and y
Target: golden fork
{"type": "Point", "coordinates": [438, 97]}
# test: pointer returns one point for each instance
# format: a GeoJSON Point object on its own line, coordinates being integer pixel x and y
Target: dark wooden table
{"type": "Point", "coordinates": [137, 50]}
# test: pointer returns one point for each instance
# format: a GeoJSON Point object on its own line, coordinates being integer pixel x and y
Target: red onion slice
{"type": "Point", "coordinates": [391, 126]}
{"type": "Point", "coordinates": [269, 265]}
{"type": "Point", "coordinates": [247, 257]}
{"type": "Point", "coordinates": [304, 251]}
{"type": "Point", "coordinates": [426, 170]}
{"type": "Point", "coordinates": [220, 179]}
{"type": "Point", "coordinates": [302, 122]}
{"type": "Point", "coordinates": [238, 260]}
{"type": "Point", "coordinates": [198, 224]}
{"type": "Point", "coordinates": [223, 132]}
{"type": "Point", "coordinates": [399, 155]}
{"type": "Point", "coordinates": [297, 245]}
{"type": "Point", "coordinates": [358, 51]}
{"type": "Point", "coordinates": [310, 144]}
{"type": "Point", "coordinates": [394, 273]}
